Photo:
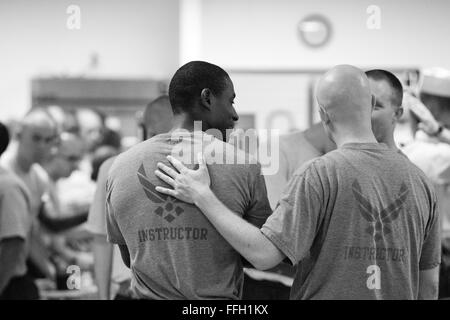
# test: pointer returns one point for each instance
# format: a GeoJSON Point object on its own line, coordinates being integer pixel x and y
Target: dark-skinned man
{"type": "Point", "coordinates": [173, 250]}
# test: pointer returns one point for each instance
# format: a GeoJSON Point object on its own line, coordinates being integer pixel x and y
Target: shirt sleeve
{"type": "Point", "coordinates": [431, 249]}
{"type": "Point", "coordinates": [15, 216]}
{"type": "Point", "coordinates": [114, 235]}
{"type": "Point", "coordinates": [277, 181]}
{"type": "Point", "coordinates": [97, 212]}
{"type": "Point", "coordinates": [259, 207]}
{"type": "Point", "coordinates": [293, 226]}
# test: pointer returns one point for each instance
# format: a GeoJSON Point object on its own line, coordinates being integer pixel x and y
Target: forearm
{"type": "Point", "coordinates": [241, 235]}
{"type": "Point", "coordinates": [103, 252]}
{"type": "Point", "coordinates": [12, 253]}
{"type": "Point", "coordinates": [429, 284]}
{"type": "Point", "coordinates": [62, 224]}
{"type": "Point", "coordinates": [430, 292]}
{"type": "Point", "coordinates": [7, 271]}
{"type": "Point", "coordinates": [39, 257]}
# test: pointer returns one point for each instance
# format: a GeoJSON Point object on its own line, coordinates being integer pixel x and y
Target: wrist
{"type": "Point", "coordinates": [203, 196]}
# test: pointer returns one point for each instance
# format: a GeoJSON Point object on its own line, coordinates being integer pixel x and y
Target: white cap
{"type": "Point", "coordinates": [436, 81]}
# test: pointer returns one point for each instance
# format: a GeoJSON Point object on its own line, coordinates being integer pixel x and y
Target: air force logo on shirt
{"type": "Point", "coordinates": [168, 206]}
{"type": "Point", "coordinates": [380, 219]}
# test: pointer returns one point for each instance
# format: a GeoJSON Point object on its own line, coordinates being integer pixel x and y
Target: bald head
{"type": "Point", "coordinates": [158, 116]}
{"type": "Point", "coordinates": [38, 118]}
{"type": "Point", "coordinates": [345, 100]}
{"type": "Point", "coordinates": [36, 136]}
{"type": "Point", "coordinates": [344, 89]}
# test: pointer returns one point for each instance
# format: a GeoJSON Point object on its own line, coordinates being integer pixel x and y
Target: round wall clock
{"type": "Point", "coordinates": [315, 30]}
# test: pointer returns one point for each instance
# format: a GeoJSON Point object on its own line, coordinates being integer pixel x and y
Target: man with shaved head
{"type": "Point", "coordinates": [359, 222]}
{"type": "Point", "coordinates": [35, 144]}
{"type": "Point", "coordinates": [157, 117]}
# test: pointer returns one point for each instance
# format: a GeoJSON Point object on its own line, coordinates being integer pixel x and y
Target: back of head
{"type": "Point", "coordinates": [344, 96]}
{"type": "Point", "coordinates": [393, 82]}
{"type": "Point", "coordinates": [157, 117]}
{"type": "Point", "coordinates": [189, 81]}
{"type": "Point", "coordinates": [4, 138]}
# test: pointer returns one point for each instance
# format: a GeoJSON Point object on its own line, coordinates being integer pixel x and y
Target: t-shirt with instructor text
{"type": "Point", "coordinates": [175, 252]}
{"type": "Point", "coordinates": [360, 222]}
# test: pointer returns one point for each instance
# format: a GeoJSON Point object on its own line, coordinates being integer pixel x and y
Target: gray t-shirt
{"type": "Point", "coordinates": [360, 222]}
{"type": "Point", "coordinates": [15, 216]}
{"type": "Point", "coordinates": [175, 251]}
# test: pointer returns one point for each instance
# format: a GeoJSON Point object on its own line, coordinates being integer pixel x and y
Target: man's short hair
{"type": "Point", "coordinates": [4, 138]}
{"type": "Point", "coordinates": [162, 101]}
{"type": "Point", "coordinates": [189, 81]}
{"type": "Point", "coordinates": [392, 80]}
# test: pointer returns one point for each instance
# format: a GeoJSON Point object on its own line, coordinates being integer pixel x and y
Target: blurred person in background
{"type": "Point", "coordinates": [430, 151]}
{"type": "Point", "coordinates": [15, 228]}
{"type": "Point", "coordinates": [388, 92]}
{"type": "Point", "coordinates": [65, 161]}
{"type": "Point", "coordinates": [91, 128]}
{"type": "Point", "coordinates": [35, 144]}
{"type": "Point", "coordinates": [112, 276]}
{"type": "Point", "coordinates": [77, 191]}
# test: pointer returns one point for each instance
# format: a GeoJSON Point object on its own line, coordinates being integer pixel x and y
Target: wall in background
{"type": "Point", "coordinates": [150, 38]}
{"type": "Point", "coordinates": [262, 35]}
{"type": "Point", "coordinates": [133, 38]}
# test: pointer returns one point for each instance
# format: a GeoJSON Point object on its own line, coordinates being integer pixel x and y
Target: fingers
{"type": "Point", "coordinates": [165, 178]}
{"type": "Point", "coordinates": [177, 164]}
{"type": "Point", "coordinates": [201, 161]}
{"type": "Point", "coordinates": [169, 171]}
{"type": "Point", "coordinates": [167, 191]}
{"type": "Point", "coordinates": [421, 126]}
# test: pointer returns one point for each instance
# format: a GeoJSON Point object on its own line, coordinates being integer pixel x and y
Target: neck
{"type": "Point", "coordinates": [357, 136]}
{"type": "Point", "coordinates": [22, 162]}
{"type": "Point", "coordinates": [317, 136]}
{"type": "Point", "coordinates": [189, 122]}
{"type": "Point", "coordinates": [183, 121]}
{"type": "Point", "coordinates": [389, 141]}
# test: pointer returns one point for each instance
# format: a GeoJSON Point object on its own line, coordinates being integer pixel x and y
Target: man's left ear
{"type": "Point", "coordinates": [374, 102]}
{"type": "Point", "coordinates": [205, 97]}
{"type": "Point", "coordinates": [398, 113]}
{"type": "Point", "coordinates": [324, 116]}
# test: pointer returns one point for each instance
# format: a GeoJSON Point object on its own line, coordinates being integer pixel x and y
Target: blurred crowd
{"type": "Point", "coordinates": [50, 162]}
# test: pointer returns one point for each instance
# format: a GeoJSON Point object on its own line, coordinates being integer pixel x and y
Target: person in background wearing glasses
{"type": "Point", "coordinates": [34, 143]}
